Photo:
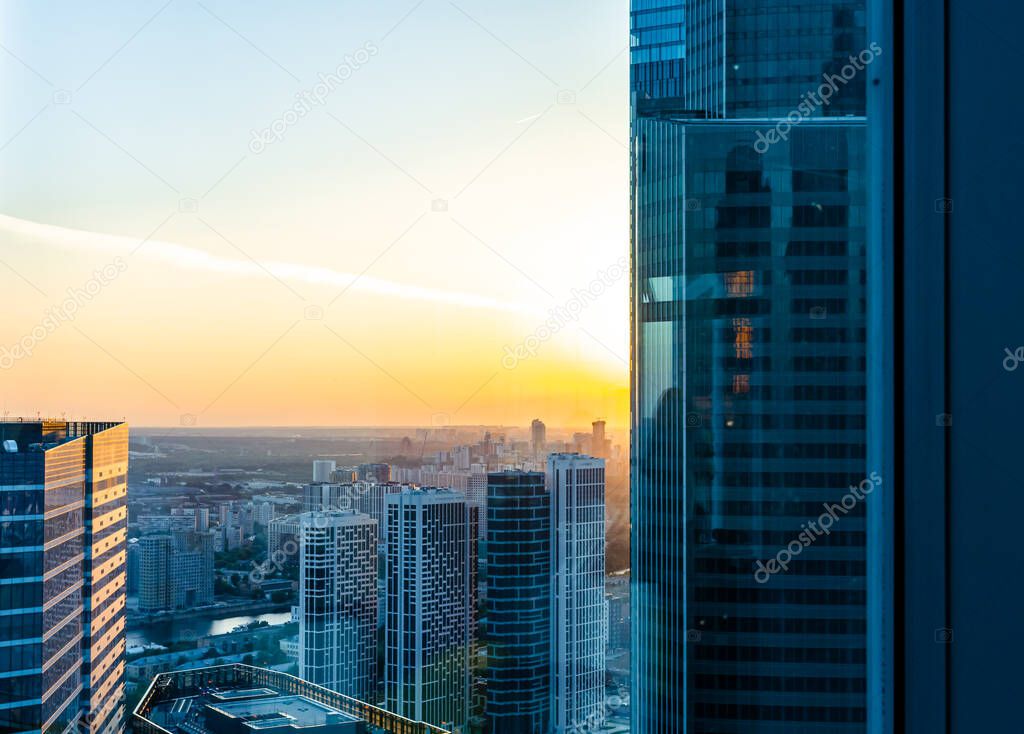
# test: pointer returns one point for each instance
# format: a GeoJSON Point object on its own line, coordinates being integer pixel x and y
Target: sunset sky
{"type": "Point", "coordinates": [374, 263]}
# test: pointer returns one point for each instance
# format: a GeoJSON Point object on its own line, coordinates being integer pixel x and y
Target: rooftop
{"type": "Point", "coordinates": [273, 711]}
{"type": "Point", "coordinates": [242, 699]}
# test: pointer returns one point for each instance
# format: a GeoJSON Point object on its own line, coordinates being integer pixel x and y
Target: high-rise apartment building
{"type": "Point", "coordinates": [155, 573]}
{"type": "Point", "coordinates": [431, 606]}
{"type": "Point", "coordinates": [63, 554]}
{"type": "Point", "coordinates": [175, 570]}
{"type": "Point", "coordinates": [326, 497]}
{"type": "Point", "coordinates": [370, 498]}
{"type": "Point", "coordinates": [579, 619]}
{"type": "Point", "coordinates": [749, 365]}
{"type": "Point", "coordinates": [191, 566]}
{"type": "Point", "coordinates": [338, 602]}
{"type": "Point", "coordinates": [519, 659]}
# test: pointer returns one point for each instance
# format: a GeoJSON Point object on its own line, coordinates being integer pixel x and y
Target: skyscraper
{"type": "Point", "coordinates": [431, 606]}
{"type": "Point", "coordinates": [538, 437]}
{"type": "Point", "coordinates": [63, 489]}
{"type": "Point", "coordinates": [518, 603]}
{"type": "Point", "coordinates": [579, 619]}
{"type": "Point", "coordinates": [749, 358]}
{"type": "Point", "coordinates": [338, 602]}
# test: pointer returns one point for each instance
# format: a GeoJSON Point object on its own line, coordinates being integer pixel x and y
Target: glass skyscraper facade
{"type": "Point", "coordinates": [749, 373]}
{"type": "Point", "coordinates": [62, 575]}
{"type": "Point", "coordinates": [518, 602]}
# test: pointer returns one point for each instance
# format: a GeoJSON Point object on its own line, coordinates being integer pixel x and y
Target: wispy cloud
{"type": "Point", "coordinates": [184, 256]}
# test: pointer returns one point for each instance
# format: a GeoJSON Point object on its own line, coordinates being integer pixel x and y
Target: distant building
{"type": "Point", "coordinates": [325, 497]}
{"type": "Point", "coordinates": [134, 569]}
{"type": "Point", "coordinates": [538, 437]}
{"type": "Point", "coordinates": [431, 606]}
{"type": "Point", "coordinates": [579, 631]}
{"type": "Point", "coordinates": [176, 571]}
{"type": "Point", "coordinates": [518, 697]}
{"type": "Point", "coordinates": [338, 602]}
{"type": "Point", "coordinates": [191, 570]}
{"type": "Point", "coordinates": [370, 498]}
{"type": "Point", "coordinates": [374, 473]}
{"type": "Point", "coordinates": [323, 471]}
{"type": "Point", "coordinates": [263, 513]}
{"type": "Point", "coordinates": [283, 538]}
{"type": "Point", "coordinates": [154, 573]}
{"type": "Point", "coordinates": [617, 593]}
{"type": "Point", "coordinates": [600, 446]}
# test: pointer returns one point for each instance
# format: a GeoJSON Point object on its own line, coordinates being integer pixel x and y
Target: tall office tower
{"type": "Point", "coordinates": [323, 471]}
{"type": "Point", "coordinates": [579, 618]}
{"type": "Point", "coordinates": [538, 437]}
{"type": "Point", "coordinates": [518, 603]}
{"type": "Point", "coordinates": [338, 602]}
{"type": "Point", "coordinates": [191, 569]}
{"type": "Point", "coordinates": [155, 591]}
{"type": "Point", "coordinates": [63, 493]}
{"type": "Point", "coordinates": [431, 606]}
{"type": "Point", "coordinates": [749, 370]}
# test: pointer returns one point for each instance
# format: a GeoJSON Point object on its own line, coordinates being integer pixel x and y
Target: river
{"type": "Point", "coordinates": [189, 629]}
